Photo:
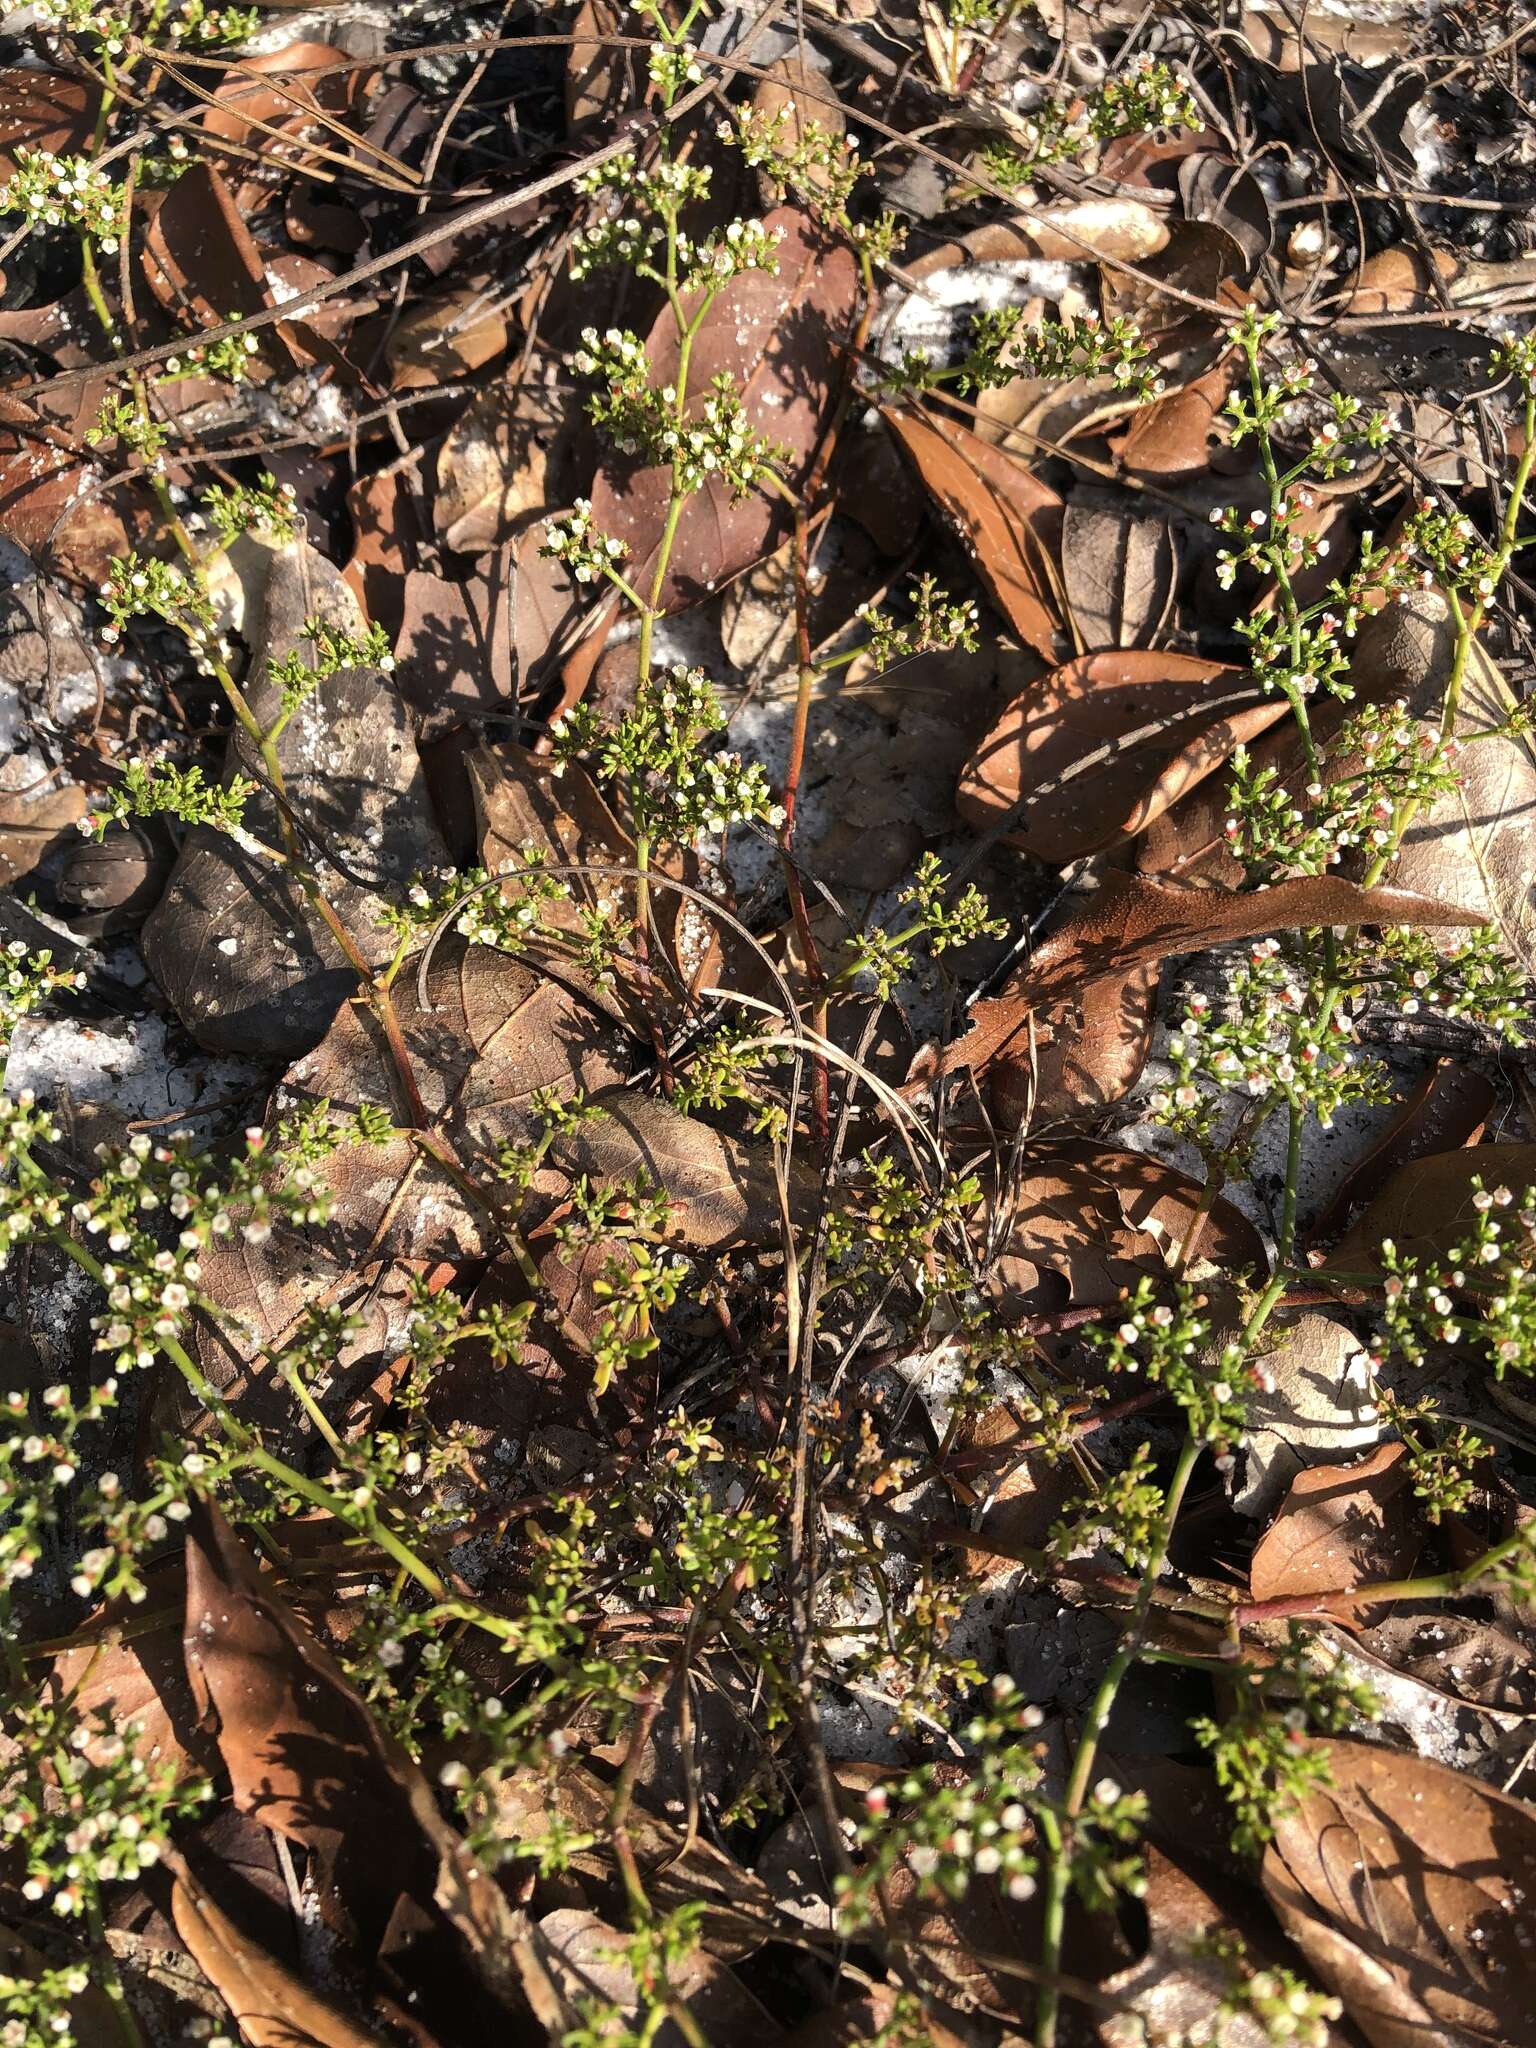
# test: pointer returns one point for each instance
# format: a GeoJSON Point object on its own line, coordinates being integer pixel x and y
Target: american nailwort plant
{"type": "Point", "coordinates": [709, 1528]}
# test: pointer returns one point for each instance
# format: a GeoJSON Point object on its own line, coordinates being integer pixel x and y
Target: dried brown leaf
{"type": "Point", "coordinates": [43, 110]}
{"type": "Point", "coordinates": [1095, 1217]}
{"type": "Point", "coordinates": [50, 502]}
{"type": "Point", "coordinates": [1426, 1207]}
{"type": "Point", "coordinates": [739, 1914]}
{"type": "Point", "coordinates": [305, 1757]}
{"type": "Point", "coordinates": [244, 958]}
{"type": "Point", "coordinates": [723, 1192]}
{"type": "Point", "coordinates": [1010, 522]}
{"type": "Point", "coordinates": [1118, 570]}
{"type": "Point", "coordinates": [1411, 1890]}
{"type": "Point", "coordinates": [596, 73]}
{"type": "Point", "coordinates": [493, 466]}
{"type": "Point", "coordinates": [268, 2003]}
{"type": "Point", "coordinates": [1105, 744]}
{"type": "Point", "coordinates": [1131, 922]}
{"type": "Point", "coordinates": [780, 339]}
{"type": "Point", "coordinates": [440, 339]}
{"type": "Point", "coordinates": [1170, 438]}
{"type": "Point", "coordinates": [1181, 1989]}
{"type": "Point", "coordinates": [1338, 1527]}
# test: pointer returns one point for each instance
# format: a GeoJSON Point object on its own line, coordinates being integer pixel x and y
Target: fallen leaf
{"type": "Point", "coordinates": [1009, 521]}
{"type": "Point", "coordinates": [268, 2003]}
{"type": "Point", "coordinates": [305, 1757]}
{"type": "Point", "coordinates": [1092, 1218]}
{"type": "Point", "coordinates": [1449, 1102]}
{"type": "Point", "coordinates": [723, 1192]}
{"type": "Point", "coordinates": [739, 1913]}
{"type": "Point", "coordinates": [492, 466]}
{"type": "Point", "coordinates": [1181, 1990]}
{"type": "Point", "coordinates": [43, 110]}
{"type": "Point", "coordinates": [1216, 190]}
{"type": "Point", "coordinates": [586, 1958]}
{"type": "Point", "coordinates": [1103, 745]}
{"type": "Point", "coordinates": [202, 263]}
{"type": "Point", "coordinates": [1170, 438]}
{"type": "Point", "coordinates": [1426, 1207]}
{"type": "Point", "coordinates": [1473, 843]}
{"type": "Point", "coordinates": [1317, 1409]}
{"type": "Point", "coordinates": [783, 90]}
{"type": "Point", "coordinates": [440, 339]}
{"type": "Point", "coordinates": [454, 655]}
{"type": "Point", "coordinates": [247, 962]}
{"type": "Point", "coordinates": [597, 73]}
{"type": "Point", "coordinates": [1125, 229]}
{"type": "Point", "coordinates": [387, 534]}
{"type": "Point", "coordinates": [780, 338]}
{"type": "Point", "coordinates": [1118, 568]}
{"type": "Point", "coordinates": [51, 502]}
{"type": "Point", "coordinates": [1411, 1890]}
{"type": "Point", "coordinates": [280, 88]}
{"type": "Point", "coordinates": [489, 1034]}
{"type": "Point", "coordinates": [1131, 923]}
{"type": "Point", "coordinates": [1338, 1527]}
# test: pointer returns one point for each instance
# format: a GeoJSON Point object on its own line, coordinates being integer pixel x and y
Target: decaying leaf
{"type": "Point", "coordinates": [1316, 1408]}
{"type": "Point", "coordinates": [1182, 1989]}
{"type": "Point", "coordinates": [1411, 1890]}
{"type": "Point", "coordinates": [779, 338]}
{"type": "Point", "coordinates": [723, 1192]}
{"type": "Point", "coordinates": [1426, 1207]}
{"type": "Point", "coordinates": [250, 964]}
{"type": "Point", "coordinates": [1008, 520]}
{"type": "Point", "coordinates": [586, 1960]}
{"type": "Point", "coordinates": [443, 338]}
{"type": "Point", "coordinates": [1132, 923]}
{"type": "Point", "coordinates": [1476, 843]}
{"type": "Point", "coordinates": [305, 1757]}
{"type": "Point", "coordinates": [1170, 438]}
{"type": "Point", "coordinates": [1088, 1219]}
{"type": "Point", "coordinates": [270, 2005]}
{"type": "Point", "coordinates": [1104, 744]}
{"type": "Point", "coordinates": [492, 466]}
{"type": "Point", "coordinates": [51, 501]}
{"type": "Point", "coordinates": [1118, 568]}
{"type": "Point", "coordinates": [739, 1913]}
{"type": "Point", "coordinates": [43, 110]}
{"type": "Point", "coordinates": [1340, 1526]}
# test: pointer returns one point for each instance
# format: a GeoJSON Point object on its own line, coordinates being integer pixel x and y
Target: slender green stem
{"type": "Point", "coordinates": [1058, 1832]}
{"type": "Point", "coordinates": [111, 1977]}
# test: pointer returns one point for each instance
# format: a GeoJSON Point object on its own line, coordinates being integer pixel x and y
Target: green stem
{"type": "Point", "coordinates": [1058, 1831]}
{"type": "Point", "coordinates": [111, 1976]}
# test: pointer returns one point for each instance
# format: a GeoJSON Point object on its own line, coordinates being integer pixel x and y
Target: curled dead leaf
{"type": "Point", "coordinates": [269, 2003]}
{"type": "Point", "coordinates": [1089, 1219]}
{"type": "Point", "coordinates": [1131, 923]}
{"type": "Point", "coordinates": [1411, 1890]}
{"type": "Point", "coordinates": [1010, 522]}
{"type": "Point", "coordinates": [1101, 746]}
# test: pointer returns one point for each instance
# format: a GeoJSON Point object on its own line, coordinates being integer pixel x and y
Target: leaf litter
{"type": "Point", "coordinates": [768, 1157]}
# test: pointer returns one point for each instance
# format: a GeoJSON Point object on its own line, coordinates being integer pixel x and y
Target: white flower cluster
{"type": "Point", "coordinates": [588, 553]}
{"type": "Point", "coordinates": [60, 191]}
{"type": "Point", "coordinates": [625, 241]}
{"type": "Point", "coordinates": [740, 245]}
{"type": "Point", "coordinates": [718, 443]}
{"type": "Point", "coordinates": [664, 186]}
